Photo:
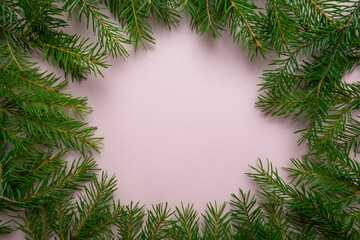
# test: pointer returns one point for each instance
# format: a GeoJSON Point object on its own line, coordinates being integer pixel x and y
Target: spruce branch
{"type": "Point", "coordinates": [71, 133]}
{"type": "Point", "coordinates": [158, 223]}
{"type": "Point", "coordinates": [5, 228]}
{"type": "Point", "coordinates": [111, 219]}
{"type": "Point", "coordinates": [63, 215]}
{"type": "Point", "coordinates": [130, 222]}
{"type": "Point", "coordinates": [245, 24]}
{"type": "Point", "coordinates": [188, 222]}
{"type": "Point", "coordinates": [278, 21]}
{"type": "Point", "coordinates": [322, 12]}
{"type": "Point", "coordinates": [321, 215]}
{"type": "Point", "coordinates": [247, 221]}
{"type": "Point", "coordinates": [217, 222]}
{"type": "Point", "coordinates": [109, 35]}
{"type": "Point", "coordinates": [93, 208]}
{"type": "Point", "coordinates": [38, 14]}
{"type": "Point", "coordinates": [165, 12]}
{"type": "Point", "coordinates": [13, 55]}
{"type": "Point", "coordinates": [278, 220]}
{"type": "Point", "coordinates": [56, 183]}
{"type": "Point", "coordinates": [69, 52]}
{"type": "Point", "coordinates": [134, 15]}
{"type": "Point", "coordinates": [31, 78]}
{"type": "Point", "coordinates": [50, 163]}
{"type": "Point", "coordinates": [206, 16]}
{"type": "Point", "coordinates": [74, 55]}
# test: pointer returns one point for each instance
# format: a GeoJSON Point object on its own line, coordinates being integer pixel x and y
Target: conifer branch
{"type": "Point", "coordinates": [248, 27]}
{"type": "Point", "coordinates": [247, 214]}
{"type": "Point", "coordinates": [217, 222]}
{"type": "Point", "coordinates": [343, 161]}
{"type": "Point", "coordinates": [357, 193]}
{"type": "Point", "coordinates": [322, 12]}
{"type": "Point", "coordinates": [7, 5]}
{"type": "Point", "coordinates": [105, 27]}
{"type": "Point", "coordinates": [281, 81]}
{"type": "Point", "coordinates": [129, 225]}
{"type": "Point", "coordinates": [246, 222]}
{"type": "Point", "coordinates": [7, 89]}
{"type": "Point", "coordinates": [52, 103]}
{"type": "Point", "coordinates": [279, 188]}
{"type": "Point", "coordinates": [11, 133]}
{"type": "Point", "coordinates": [44, 222]}
{"type": "Point", "coordinates": [130, 222]}
{"type": "Point", "coordinates": [188, 222]}
{"type": "Point", "coordinates": [34, 18]}
{"type": "Point", "coordinates": [60, 215]}
{"type": "Point", "coordinates": [48, 161]}
{"type": "Point", "coordinates": [187, 229]}
{"type": "Point", "coordinates": [315, 113]}
{"type": "Point", "coordinates": [116, 213]}
{"type": "Point", "coordinates": [352, 15]}
{"type": "Point", "coordinates": [90, 59]}
{"type": "Point", "coordinates": [158, 224]}
{"type": "Point", "coordinates": [335, 51]}
{"type": "Point", "coordinates": [136, 22]}
{"type": "Point", "coordinates": [88, 213]}
{"type": "Point", "coordinates": [208, 14]}
{"type": "Point", "coordinates": [78, 172]}
{"type": "Point", "coordinates": [8, 200]}
{"type": "Point", "coordinates": [278, 21]}
{"type": "Point", "coordinates": [28, 80]}
{"type": "Point", "coordinates": [12, 54]}
{"type": "Point", "coordinates": [275, 217]}
{"type": "Point", "coordinates": [86, 56]}
{"type": "Point", "coordinates": [56, 186]}
{"type": "Point", "coordinates": [1, 177]}
{"type": "Point", "coordinates": [353, 216]}
{"type": "Point", "coordinates": [67, 133]}
{"type": "Point", "coordinates": [29, 228]}
{"type": "Point", "coordinates": [109, 35]}
{"type": "Point", "coordinates": [337, 124]}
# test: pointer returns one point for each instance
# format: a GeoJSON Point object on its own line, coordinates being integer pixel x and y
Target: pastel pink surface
{"type": "Point", "coordinates": [180, 122]}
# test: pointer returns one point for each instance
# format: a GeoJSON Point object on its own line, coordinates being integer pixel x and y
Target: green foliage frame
{"type": "Point", "coordinates": [317, 43]}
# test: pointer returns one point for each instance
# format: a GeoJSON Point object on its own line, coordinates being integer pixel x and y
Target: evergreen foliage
{"type": "Point", "coordinates": [47, 197]}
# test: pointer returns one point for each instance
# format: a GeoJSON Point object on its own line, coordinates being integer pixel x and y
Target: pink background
{"type": "Point", "coordinates": [180, 122]}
